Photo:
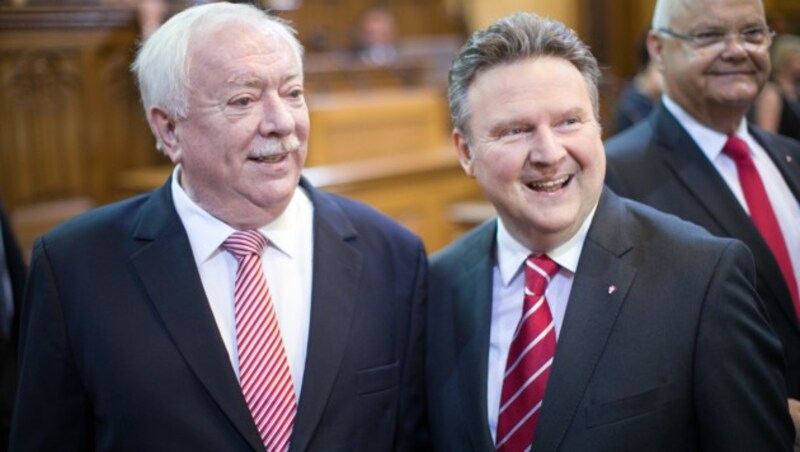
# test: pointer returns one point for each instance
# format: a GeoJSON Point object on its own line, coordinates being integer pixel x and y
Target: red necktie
{"type": "Point", "coordinates": [263, 367]}
{"type": "Point", "coordinates": [761, 211]}
{"type": "Point", "coordinates": [529, 359]}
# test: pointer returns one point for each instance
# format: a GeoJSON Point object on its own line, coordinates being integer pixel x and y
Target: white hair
{"type": "Point", "coordinates": [664, 11]}
{"type": "Point", "coordinates": [162, 63]}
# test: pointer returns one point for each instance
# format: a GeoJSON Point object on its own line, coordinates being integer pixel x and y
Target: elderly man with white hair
{"type": "Point", "coordinates": [236, 308]}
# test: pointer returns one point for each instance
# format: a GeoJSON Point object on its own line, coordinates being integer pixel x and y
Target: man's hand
{"type": "Point", "coordinates": [794, 411]}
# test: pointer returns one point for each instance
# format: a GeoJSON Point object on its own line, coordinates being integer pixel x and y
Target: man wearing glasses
{"type": "Point", "coordinates": [696, 155]}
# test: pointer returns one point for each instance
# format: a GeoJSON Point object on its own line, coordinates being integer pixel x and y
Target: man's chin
{"type": "Point", "coordinates": [743, 97]}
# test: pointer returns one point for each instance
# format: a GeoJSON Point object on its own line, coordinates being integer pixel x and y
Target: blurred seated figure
{"type": "Point", "coordinates": [778, 108]}
{"type": "Point", "coordinates": [640, 94]}
{"type": "Point", "coordinates": [150, 14]}
{"type": "Point", "coordinates": [376, 40]}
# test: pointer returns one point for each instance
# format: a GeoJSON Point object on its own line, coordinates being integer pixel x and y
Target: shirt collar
{"type": "Point", "coordinates": [511, 254]}
{"type": "Point", "coordinates": [708, 140]}
{"type": "Point", "coordinates": [207, 233]}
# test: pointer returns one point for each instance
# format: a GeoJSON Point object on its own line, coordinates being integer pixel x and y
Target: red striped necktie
{"type": "Point", "coordinates": [530, 357]}
{"type": "Point", "coordinates": [761, 211]}
{"type": "Point", "coordinates": [263, 367]}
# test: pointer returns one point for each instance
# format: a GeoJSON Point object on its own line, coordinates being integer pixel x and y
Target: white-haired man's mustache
{"type": "Point", "coordinates": [276, 146]}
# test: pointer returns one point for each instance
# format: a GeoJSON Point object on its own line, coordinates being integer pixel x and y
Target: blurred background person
{"type": "Point", "coordinates": [376, 43]}
{"type": "Point", "coordinates": [778, 108]}
{"type": "Point", "coordinates": [640, 94]}
{"type": "Point", "coordinates": [150, 14]}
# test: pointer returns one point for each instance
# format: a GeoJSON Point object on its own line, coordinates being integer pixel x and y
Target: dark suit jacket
{"type": "Point", "coordinates": [657, 163]}
{"type": "Point", "coordinates": [8, 348]}
{"type": "Point", "coordinates": [679, 358]}
{"type": "Point", "coordinates": [120, 350]}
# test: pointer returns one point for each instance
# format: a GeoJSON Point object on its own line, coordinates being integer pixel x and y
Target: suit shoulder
{"type": "Point", "coordinates": [473, 245]}
{"type": "Point", "coordinates": [632, 141]}
{"type": "Point", "coordinates": [663, 241]}
{"type": "Point", "coordinates": [671, 229]}
{"type": "Point", "coordinates": [775, 143]}
{"type": "Point", "coordinates": [781, 140]}
{"type": "Point", "coordinates": [100, 221]}
{"type": "Point", "coordinates": [367, 220]}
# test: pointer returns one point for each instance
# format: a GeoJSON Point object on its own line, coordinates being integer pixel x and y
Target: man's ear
{"type": "Point", "coordinates": [464, 153]}
{"type": "Point", "coordinates": [655, 46]}
{"type": "Point", "coordinates": [163, 127]}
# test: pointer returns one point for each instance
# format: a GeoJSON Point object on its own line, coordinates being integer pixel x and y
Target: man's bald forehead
{"type": "Point", "coordinates": [665, 10]}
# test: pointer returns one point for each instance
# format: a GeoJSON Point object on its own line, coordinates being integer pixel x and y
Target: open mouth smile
{"type": "Point", "coordinates": [269, 158]}
{"type": "Point", "coordinates": [549, 185]}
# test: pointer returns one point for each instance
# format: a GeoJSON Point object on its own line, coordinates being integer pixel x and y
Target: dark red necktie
{"type": "Point", "coordinates": [761, 211]}
{"type": "Point", "coordinates": [530, 357]}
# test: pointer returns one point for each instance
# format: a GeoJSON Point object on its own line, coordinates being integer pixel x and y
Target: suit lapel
{"type": "Point", "coordinates": [786, 158]}
{"type": "Point", "coordinates": [601, 283]}
{"type": "Point", "coordinates": [169, 274]}
{"type": "Point", "coordinates": [337, 269]}
{"type": "Point", "coordinates": [473, 306]}
{"type": "Point", "coordinates": [687, 161]}
{"type": "Point", "coordinates": [691, 167]}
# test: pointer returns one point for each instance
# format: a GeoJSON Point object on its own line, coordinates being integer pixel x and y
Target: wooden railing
{"type": "Point", "coordinates": [420, 190]}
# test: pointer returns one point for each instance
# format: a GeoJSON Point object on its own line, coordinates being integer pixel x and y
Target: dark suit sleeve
{"type": "Point", "coordinates": [52, 410]}
{"type": "Point", "coordinates": [413, 429]}
{"type": "Point", "coordinates": [740, 394]}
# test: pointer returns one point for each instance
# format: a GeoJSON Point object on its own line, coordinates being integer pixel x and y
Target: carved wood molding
{"type": "Point", "coordinates": [38, 17]}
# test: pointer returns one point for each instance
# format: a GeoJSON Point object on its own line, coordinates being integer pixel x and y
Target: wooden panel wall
{"type": "Point", "coordinates": [353, 126]}
{"type": "Point", "coordinates": [69, 110]}
{"type": "Point", "coordinates": [481, 13]}
{"type": "Point", "coordinates": [325, 25]}
{"type": "Point", "coordinates": [419, 190]}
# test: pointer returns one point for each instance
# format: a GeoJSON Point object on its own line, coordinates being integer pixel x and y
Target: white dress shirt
{"type": "Point", "coordinates": [508, 283]}
{"type": "Point", "coordinates": [287, 263]}
{"type": "Point", "coordinates": [784, 204]}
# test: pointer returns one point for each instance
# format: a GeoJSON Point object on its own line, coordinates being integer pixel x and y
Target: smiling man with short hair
{"type": "Point", "coordinates": [578, 320]}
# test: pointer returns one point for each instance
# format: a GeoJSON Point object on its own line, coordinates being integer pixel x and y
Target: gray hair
{"type": "Point", "coordinates": [162, 63]}
{"type": "Point", "coordinates": [511, 39]}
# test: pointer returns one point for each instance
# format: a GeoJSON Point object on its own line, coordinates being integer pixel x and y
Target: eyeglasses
{"type": "Point", "coordinates": [755, 38]}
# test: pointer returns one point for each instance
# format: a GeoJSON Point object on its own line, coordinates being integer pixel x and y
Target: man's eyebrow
{"type": "Point", "coordinates": [252, 81]}
{"type": "Point", "coordinates": [574, 111]}
{"type": "Point", "coordinates": [243, 80]}
{"type": "Point", "coordinates": [297, 75]}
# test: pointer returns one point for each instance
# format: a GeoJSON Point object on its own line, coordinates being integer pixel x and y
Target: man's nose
{"type": "Point", "coordinates": [277, 118]}
{"type": "Point", "coordinates": [544, 147]}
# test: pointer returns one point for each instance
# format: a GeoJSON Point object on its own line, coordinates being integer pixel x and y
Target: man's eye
{"type": "Point", "coordinates": [709, 37]}
{"type": "Point", "coordinates": [754, 35]}
{"type": "Point", "coordinates": [296, 93]}
{"type": "Point", "coordinates": [243, 102]}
